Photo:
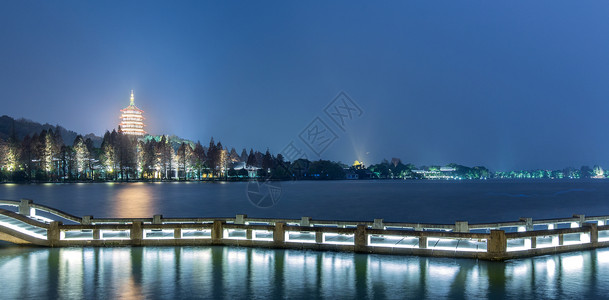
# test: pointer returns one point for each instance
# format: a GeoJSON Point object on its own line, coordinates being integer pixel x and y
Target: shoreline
{"type": "Point", "coordinates": [306, 180]}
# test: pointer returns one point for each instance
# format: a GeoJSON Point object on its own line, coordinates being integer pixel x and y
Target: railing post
{"type": "Point", "coordinates": [157, 219]}
{"type": "Point", "coordinates": [582, 219]}
{"type": "Point", "coordinates": [86, 220]}
{"type": "Point", "coordinates": [217, 232]}
{"type": "Point", "coordinates": [136, 234]}
{"type": "Point", "coordinates": [423, 242]}
{"type": "Point", "coordinates": [361, 238]}
{"type": "Point", "coordinates": [528, 223]}
{"type": "Point", "coordinates": [497, 244]}
{"type": "Point", "coordinates": [53, 233]}
{"type": "Point", "coordinates": [240, 219]}
{"type": "Point", "coordinates": [24, 207]}
{"type": "Point", "coordinates": [461, 226]}
{"type": "Point", "coordinates": [378, 224]}
{"type": "Point", "coordinates": [305, 221]}
{"type": "Point", "coordinates": [279, 233]}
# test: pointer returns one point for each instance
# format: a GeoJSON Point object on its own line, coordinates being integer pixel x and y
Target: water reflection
{"type": "Point", "coordinates": [133, 200]}
{"type": "Point", "coordinates": [224, 272]}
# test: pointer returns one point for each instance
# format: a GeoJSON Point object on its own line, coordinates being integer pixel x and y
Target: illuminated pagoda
{"type": "Point", "coordinates": [132, 119]}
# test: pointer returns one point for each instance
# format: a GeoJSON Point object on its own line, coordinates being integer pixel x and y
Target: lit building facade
{"type": "Point", "coordinates": [132, 119]}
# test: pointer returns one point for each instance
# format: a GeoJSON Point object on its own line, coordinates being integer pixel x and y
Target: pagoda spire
{"type": "Point", "coordinates": [132, 99]}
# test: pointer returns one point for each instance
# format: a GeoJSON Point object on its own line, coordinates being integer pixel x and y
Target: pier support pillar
{"type": "Point", "coordinates": [217, 232]}
{"type": "Point", "coordinates": [96, 234]}
{"type": "Point", "coordinates": [53, 233]}
{"type": "Point", "coordinates": [533, 242]}
{"type": "Point", "coordinates": [422, 242]}
{"type": "Point", "coordinates": [136, 233]}
{"type": "Point", "coordinates": [24, 207]}
{"type": "Point", "coordinates": [361, 238]}
{"type": "Point", "coordinates": [157, 219]}
{"type": "Point", "coordinates": [561, 239]}
{"type": "Point", "coordinates": [248, 234]}
{"type": "Point", "coordinates": [279, 233]}
{"type": "Point", "coordinates": [497, 245]}
{"type": "Point", "coordinates": [461, 226]}
{"type": "Point", "coordinates": [593, 232]}
{"type": "Point", "coordinates": [305, 221]}
{"type": "Point", "coordinates": [319, 237]}
{"type": "Point", "coordinates": [177, 233]}
{"type": "Point", "coordinates": [240, 219]}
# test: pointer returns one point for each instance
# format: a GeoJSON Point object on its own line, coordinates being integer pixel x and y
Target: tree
{"type": "Point", "coordinates": [81, 157]}
{"type": "Point", "coordinates": [165, 150]}
{"type": "Point", "coordinates": [258, 156]}
{"type": "Point", "coordinates": [184, 159]}
{"type": "Point", "coordinates": [267, 160]}
{"type": "Point", "coordinates": [199, 158]}
{"type": "Point", "coordinates": [213, 154]}
{"type": "Point", "coordinates": [324, 169]}
{"type": "Point", "coordinates": [233, 156]}
{"type": "Point", "coordinates": [300, 168]}
{"type": "Point", "coordinates": [27, 156]}
{"type": "Point", "coordinates": [243, 156]}
{"type": "Point", "coordinates": [149, 159]}
{"type": "Point", "coordinates": [586, 172]}
{"type": "Point", "coordinates": [251, 159]}
{"type": "Point", "coordinates": [125, 147]}
{"type": "Point", "coordinates": [47, 151]}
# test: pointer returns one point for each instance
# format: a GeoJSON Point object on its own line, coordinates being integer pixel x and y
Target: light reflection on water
{"type": "Point", "coordinates": [134, 199]}
{"type": "Point", "coordinates": [237, 273]}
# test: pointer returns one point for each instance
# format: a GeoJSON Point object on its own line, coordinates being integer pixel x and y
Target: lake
{"type": "Point", "coordinates": [239, 273]}
{"type": "Point", "coordinates": [406, 201]}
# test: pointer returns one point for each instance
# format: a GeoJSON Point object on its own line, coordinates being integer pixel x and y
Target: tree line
{"type": "Point", "coordinates": [43, 157]}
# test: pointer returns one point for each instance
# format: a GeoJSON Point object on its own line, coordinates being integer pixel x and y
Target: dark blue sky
{"type": "Point", "coordinates": [508, 85]}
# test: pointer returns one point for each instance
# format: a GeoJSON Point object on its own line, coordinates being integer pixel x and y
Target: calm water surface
{"type": "Point", "coordinates": [245, 273]}
{"type": "Point", "coordinates": [408, 201]}
{"type": "Point", "coordinates": [239, 273]}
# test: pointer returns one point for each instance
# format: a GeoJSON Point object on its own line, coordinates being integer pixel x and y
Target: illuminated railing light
{"type": "Point", "coordinates": [23, 230]}
{"type": "Point", "coordinates": [300, 237]}
{"type": "Point", "coordinates": [152, 234]}
{"type": "Point", "coordinates": [119, 234]}
{"type": "Point", "coordinates": [350, 238]}
{"type": "Point", "coordinates": [196, 234]}
{"type": "Point", "coordinates": [262, 235]}
{"type": "Point", "coordinates": [235, 234]}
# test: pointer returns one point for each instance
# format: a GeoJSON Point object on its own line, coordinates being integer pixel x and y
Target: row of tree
{"type": "Point", "coordinates": [45, 157]}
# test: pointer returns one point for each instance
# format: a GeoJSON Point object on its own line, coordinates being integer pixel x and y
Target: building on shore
{"type": "Point", "coordinates": [132, 119]}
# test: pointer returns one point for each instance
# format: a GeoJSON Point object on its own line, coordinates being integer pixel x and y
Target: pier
{"type": "Point", "coordinates": [25, 222]}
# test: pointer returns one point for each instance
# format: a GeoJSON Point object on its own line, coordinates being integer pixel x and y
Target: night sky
{"type": "Point", "coordinates": [510, 85]}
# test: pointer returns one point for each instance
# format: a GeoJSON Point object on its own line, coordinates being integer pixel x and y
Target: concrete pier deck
{"type": "Point", "coordinates": [24, 222]}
